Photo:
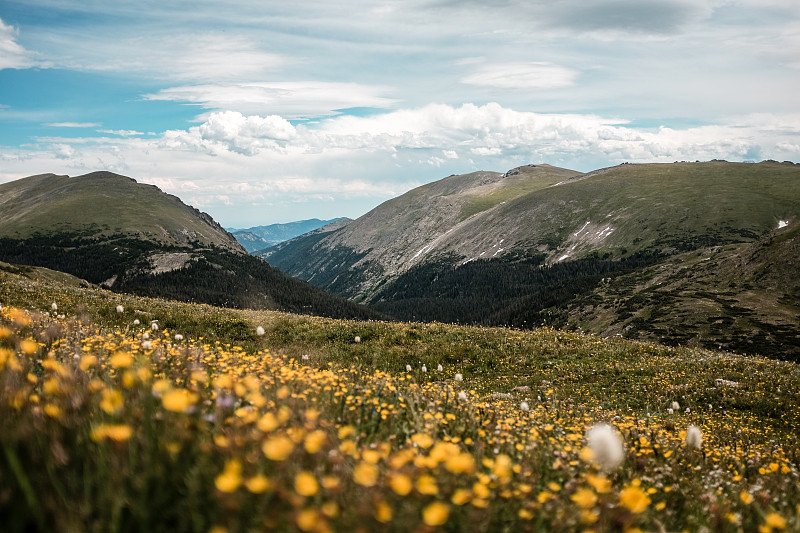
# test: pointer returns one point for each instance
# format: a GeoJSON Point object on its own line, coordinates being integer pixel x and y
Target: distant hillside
{"type": "Point", "coordinates": [131, 237]}
{"type": "Point", "coordinates": [261, 237]}
{"type": "Point", "coordinates": [540, 244]}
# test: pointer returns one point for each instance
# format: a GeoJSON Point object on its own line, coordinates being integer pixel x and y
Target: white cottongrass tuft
{"type": "Point", "coordinates": [408, 368]}
{"type": "Point", "coordinates": [687, 411]}
{"type": "Point", "coordinates": [146, 345]}
{"type": "Point", "coordinates": [145, 335]}
{"type": "Point", "coordinates": [136, 322]}
{"type": "Point", "coordinates": [524, 406]}
{"type": "Point", "coordinates": [54, 306]}
{"type": "Point", "coordinates": [357, 339]}
{"type": "Point", "coordinates": [259, 331]}
{"type": "Point", "coordinates": [670, 411]}
{"type": "Point", "coordinates": [606, 444]}
{"type": "Point", "coordinates": [120, 309]}
{"type": "Point", "coordinates": [304, 357]}
{"type": "Point", "coordinates": [676, 406]}
{"type": "Point", "coordinates": [424, 368]}
{"type": "Point", "coordinates": [459, 377]}
{"type": "Point", "coordinates": [439, 368]}
{"type": "Point", "coordinates": [462, 396]}
{"type": "Point", "coordinates": [178, 337]}
{"type": "Point", "coordinates": [694, 438]}
{"type": "Point", "coordinates": [154, 325]}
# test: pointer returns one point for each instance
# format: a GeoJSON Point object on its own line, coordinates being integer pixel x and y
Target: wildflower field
{"type": "Point", "coordinates": [120, 413]}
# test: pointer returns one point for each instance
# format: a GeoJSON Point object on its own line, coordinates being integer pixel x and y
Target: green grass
{"type": "Point", "coordinates": [103, 432]}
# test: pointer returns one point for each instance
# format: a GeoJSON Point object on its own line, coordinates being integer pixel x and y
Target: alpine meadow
{"type": "Point", "coordinates": [400, 267]}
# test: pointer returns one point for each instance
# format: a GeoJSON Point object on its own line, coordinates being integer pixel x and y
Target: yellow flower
{"type": "Point", "coordinates": [400, 484]}
{"type": "Point", "coordinates": [436, 514]}
{"type": "Point", "coordinates": [601, 484]}
{"type": "Point", "coordinates": [365, 474]}
{"type": "Point", "coordinates": [427, 485]}
{"type": "Point", "coordinates": [121, 360]}
{"type": "Point", "coordinates": [28, 346]}
{"type": "Point", "coordinates": [585, 498]}
{"type": "Point", "coordinates": [307, 519]}
{"type": "Point", "coordinates": [306, 484]}
{"type": "Point", "coordinates": [383, 513]}
{"type": "Point", "coordinates": [746, 497]}
{"type": "Point", "coordinates": [178, 400]}
{"type": "Point", "coordinates": [634, 499]}
{"type": "Point", "coordinates": [268, 422]}
{"type": "Point", "coordinates": [278, 447]}
{"type": "Point", "coordinates": [230, 478]}
{"type": "Point", "coordinates": [461, 496]}
{"type": "Point", "coordinates": [423, 440]}
{"type": "Point", "coordinates": [112, 401]}
{"type": "Point", "coordinates": [775, 521]}
{"type": "Point", "coordinates": [462, 463]}
{"type": "Point", "coordinates": [52, 410]}
{"type": "Point", "coordinates": [258, 484]}
{"type": "Point", "coordinates": [315, 441]}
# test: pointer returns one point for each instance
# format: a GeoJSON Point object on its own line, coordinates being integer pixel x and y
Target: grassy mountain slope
{"type": "Point", "coordinates": [110, 230]}
{"type": "Point", "coordinates": [538, 251]}
{"type": "Point", "coordinates": [104, 204]}
{"type": "Point", "coordinates": [302, 428]}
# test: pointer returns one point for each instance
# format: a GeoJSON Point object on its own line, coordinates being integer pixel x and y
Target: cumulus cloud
{"type": "Point", "coordinates": [522, 76]}
{"type": "Point", "coordinates": [289, 99]}
{"type": "Point", "coordinates": [12, 54]}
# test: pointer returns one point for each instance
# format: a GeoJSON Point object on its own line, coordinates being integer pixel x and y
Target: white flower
{"type": "Point", "coordinates": [408, 368]}
{"type": "Point", "coordinates": [462, 396]}
{"type": "Point", "coordinates": [439, 368]}
{"type": "Point", "coordinates": [424, 368]}
{"type": "Point", "coordinates": [145, 335]}
{"type": "Point", "coordinates": [459, 377]}
{"type": "Point", "coordinates": [259, 331]}
{"type": "Point", "coordinates": [606, 444]}
{"type": "Point", "coordinates": [54, 307]}
{"type": "Point", "coordinates": [146, 345]}
{"type": "Point", "coordinates": [136, 322]}
{"type": "Point", "coordinates": [687, 411]}
{"type": "Point", "coordinates": [694, 438]}
{"type": "Point", "coordinates": [178, 337]}
{"type": "Point", "coordinates": [670, 411]}
{"type": "Point", "coordinates": [304, 357]}
{"type": "Point", "coordinates": [120, 309]}
{"type": "Point", "coordinates": [524, 406]}
{"type": "Point", "coordinates": [357, 339]}
{"type": "Point", "coordinates": [676, 406]}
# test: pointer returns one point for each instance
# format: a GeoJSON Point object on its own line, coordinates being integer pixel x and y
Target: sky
{"type": "Point", "coordinates": [266, 112]}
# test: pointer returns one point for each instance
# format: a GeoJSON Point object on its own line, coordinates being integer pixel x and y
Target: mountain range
{"type": "Point", "coordinates": [132, 237]}
{"type": "Point", "coordinates": [681, 252]}
{"type": "Point", "coordinates": [261, 237]}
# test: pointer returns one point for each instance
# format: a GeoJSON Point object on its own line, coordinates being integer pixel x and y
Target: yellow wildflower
{"type": "Point", "coordinates": [230, 478]}
{"type": "Point", "coordinates": [178, 400]}
{"type": "Point", "coordinates": [775, 521]}
{"type": "Point", "coordinates": [365, 474]}
{"type": "Point", "coordinates": [278, 447]}
{"type": "Point", "coordinates": [306, 484]}
{"type": "Point", "coordinates": [400, 484]}
{"type": "Point", "coordinates": [258, 484]}
{"type": "Point", "coordinates": [585, 498]}
{"type": "Point", "coordinates": [426, 484]}
{"type": "Point", "coordinates": [383, 513]}
{"type": "Point", "coordinates": [634, 499]}
{"type": "Point", "coordinates": [436, 514]}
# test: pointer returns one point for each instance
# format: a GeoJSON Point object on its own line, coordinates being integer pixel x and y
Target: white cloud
{"type": "Point", "coordinates": [73, 124]}
{"type": "Point", "coordinates": [522, 76]}
{"type": "Point", "coordinates": [289, 99]}
{"type": "Point", "coordinates": [12, 54]}
{"type": "Point", "coordinates": [122, 133]}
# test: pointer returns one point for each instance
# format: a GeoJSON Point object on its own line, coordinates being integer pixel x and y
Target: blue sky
{"type": "Point", "coordinates": [262, 112]}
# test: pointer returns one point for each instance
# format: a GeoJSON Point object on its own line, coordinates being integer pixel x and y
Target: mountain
{"type": "Point", "coordinates": [541, 244]}
{"type": "Point", "coordinates": [261, 237]}
{"type": "Point", "coordinates": [132, 237]}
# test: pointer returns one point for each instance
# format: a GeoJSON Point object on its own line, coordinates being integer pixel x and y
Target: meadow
{"type": "Point", "coordinates": [121, 413]}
